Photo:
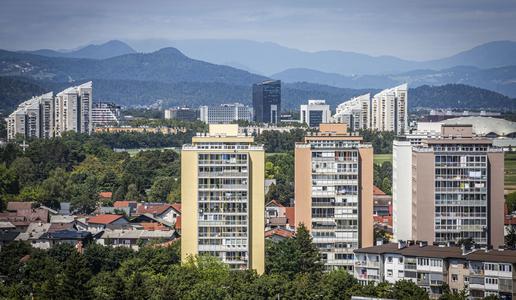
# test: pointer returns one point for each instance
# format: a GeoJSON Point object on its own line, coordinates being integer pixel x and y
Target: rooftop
{"type": "Point", "coordinates": [104, 219]}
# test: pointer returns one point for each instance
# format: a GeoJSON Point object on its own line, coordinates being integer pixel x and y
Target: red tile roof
{"type": "Point", "coordinates": [177, 226]}
{"type": "Point", "coordinates": [105, 195]}
{"type": "Point", "coordinates": [290, 213]}
{"type": "Point", "coordinates": [123, 203]}
{"type": "Point", "coordinates": [279, 231]}
{"type": "Point", "coordinates": [15, 206]}
{"type": "Point", "coordinates": [153, 226]}
{"type": "Point", "coordinates": [383, 220]}
{"type": "Point", "coordinates": [177, 206]}
{"type": "Point", "coordinates": [377, 191]}
{"type": "Point", "coordinates": [104, 219]}
{"type": "Point", "coordinates": [274, 203]}
{"type": "Point", "coordinates": [154, 209]}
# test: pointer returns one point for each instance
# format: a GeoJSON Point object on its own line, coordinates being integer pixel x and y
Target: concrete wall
{"type": "Point", "coordinates": [496, 198]}
{"type": "Point", "coordinates": [257, 206]}
{"type": "Point", "coordinates": [188, 204]}
{"type": "Point", "coordinates": [402, 190]}
{"type": "Point", "coordinates": [423, 196]}
{"type": "Point", "coordinates": [303, 186]}
{"type": "Point", "coordinates": [366, 231]}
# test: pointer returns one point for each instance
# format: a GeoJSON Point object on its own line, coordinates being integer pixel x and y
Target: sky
{"type": "Point", "coordinates": [409, 29]}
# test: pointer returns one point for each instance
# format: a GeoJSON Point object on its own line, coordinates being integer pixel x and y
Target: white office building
{"type": "Point", "coordinates": [225, 113]}
{"type": "Point", "coordinates": [389, 110]}
{"type": "Point", "coordinates": [315, 113]}
{"type": "Point", "coordinates": [356, 112]}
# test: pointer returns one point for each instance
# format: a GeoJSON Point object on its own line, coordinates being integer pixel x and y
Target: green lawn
{"type": "Point", "coordinates": [510, 171]}
{"type": "Point", "coordinates": [381, 158]}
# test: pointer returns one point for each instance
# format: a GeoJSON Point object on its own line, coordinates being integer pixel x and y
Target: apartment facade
{"type": "Point", "coordinates": [389, 110]}
{"type": "Point", "coordinates": [454, 185]}
{"type": "Point", "coordinates": [222, 190]}
{"type": "Point", "coordinates": [225, 113]}
{"type": "Point", "coordinates": [73, 109]}
{"type": "Point", "coordinates": [267, 101]}
{"type": "Point", "coordinates": [314, 113]}
{"type": "Point", "coordinates": [105, 114]}
{"type": "Point", "coordinates": [32, 119]}
{"type": "Point", "coordinates": [356, 113]}
{"type": "Point", "coordinates": [481, 272]}
{"type": "Point", "coordinates": [182, 114]}
{"type": "Point", "coordinates": [334, 193]}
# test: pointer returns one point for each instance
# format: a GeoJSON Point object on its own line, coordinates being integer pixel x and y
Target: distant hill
{"type": "Point", "coordinates": [502, 79]}
{"type": "Point", "coordinates": [165, 65]}
{"type": "Point", "coordinates": [269, 58]}
{"type": "Point", "coordinates": [109, 49]}
{"type": "Point", "coordinates": [489, 55]}
{"type": "Point", "coordinates": [15, 90]}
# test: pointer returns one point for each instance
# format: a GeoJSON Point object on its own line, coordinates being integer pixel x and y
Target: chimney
{"type": "Point", "coordinates": [423, 244]}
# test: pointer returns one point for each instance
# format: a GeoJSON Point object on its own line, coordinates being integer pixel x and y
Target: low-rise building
{"type": "Point", "coordinates": [100, 222]}
{"type": "Point", "coordinates": [481, 272]}
{"type": "Point", "coordinates": [135, 238]}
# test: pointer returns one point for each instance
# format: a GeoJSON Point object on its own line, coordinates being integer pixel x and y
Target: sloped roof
{"type": "Point", "coordinates": [177, 207]}
{"type": "Point", "coordinates": [16, 206]}
{"type": "Point", "coordinates": [155, 209]}
{"type": "Point", "coordinates": [34, 231]}
{"type": "Point", "coordinates": [485, 125]}
{"type": "Point", "coordinates": [122, 203]}
{"type": "Point", "coordinates": [274, 203]}
{"type": "Point", "coordinates": [105, 195]}
{"type": "Point", "coordinates": [280, 232]}
{"type": "Point", "coordinates": [290, 213]}
{"type": "Point", "coordinates": [104, 219]}
{"type": "Point", "coordinates": [377, 191]}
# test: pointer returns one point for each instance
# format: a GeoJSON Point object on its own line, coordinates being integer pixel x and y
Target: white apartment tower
{"type": "Point", "coordinates": [225, 113]}
{"type": "Point", "coordinates": [389, 110]}
{"type": "Point", "coordinates": [32, 119]}
{"type": "Point", "coordinates": [356, 112]}
{"type": "Point", "coordinates": [73, 109]}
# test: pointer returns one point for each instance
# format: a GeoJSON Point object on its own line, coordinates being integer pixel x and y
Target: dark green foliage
{"type": "Point", "coordinates": [380, 140]}
{"type": "Point", "coordinates": [382, 177]}
{"type": "Point", "coordinates": [275, 141]}
{"type": "Point", "coordinates": [281, 168]}
{"type": "Point", "coordinates": [293, 256]}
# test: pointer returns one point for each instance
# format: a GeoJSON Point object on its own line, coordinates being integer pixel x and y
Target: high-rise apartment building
{"type": "Point", "coordinates": [315, 112]}
{"type": "Point", "coordinates": [449, 188]}
{"type": "Point", "coordinates": [356, 112]}
{"type": "Point", "coordinates": [222, 188]}
{"type": "Point", "coordinates": [225, 113]}
{"type": "Point", "coordinates": [334, 192]}
{"type": "Point", "coordinates": [267, 101]}
{"type": "Point", "coordinates": [73, 109]}
{"type": "Point", "coordinates": [389, 110]}
{"type": "Point", "coordinates": [32, 119]}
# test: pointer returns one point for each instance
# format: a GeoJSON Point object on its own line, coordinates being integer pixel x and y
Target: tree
{"type": "Point", "coordinates": [510, 238]}
{"type": "Point", "coordinates": [408, 290]}
{"type": "Point", "coordinates": [294, 256]}
{"type": "Point", "coordinates": [161, 188]}
{"type": "Point", "coordinates": [510, 200]}
{"type": "Point", "coordinates": [75, 277]}
{"type": "Point", "coordinates": [132, 193]}
{"type": "Point", "coordinates": [449, 295]}
{"type": "Point", "coordinates": [24, 170]}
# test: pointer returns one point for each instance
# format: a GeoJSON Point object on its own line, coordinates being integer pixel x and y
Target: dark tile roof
{"type": "Point", "coordinates": [505, 256]}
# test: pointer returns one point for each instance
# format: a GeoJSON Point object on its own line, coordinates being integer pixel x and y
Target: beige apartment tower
{"type": "Point", "coordinates": [222, 188]}
{"type": "Point", "coordinates": [334, 192]}
{"type": "Point", "coordinates": [457, 189]}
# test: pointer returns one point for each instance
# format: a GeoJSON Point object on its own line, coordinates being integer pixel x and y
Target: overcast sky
{"type": "Point", "coordinates": [409, 29]}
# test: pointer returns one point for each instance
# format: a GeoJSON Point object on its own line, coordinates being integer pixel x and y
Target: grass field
{"type": "Point", "coordinates": [381, 158]}
{"type": "Point", "coordinates": [510, 171]}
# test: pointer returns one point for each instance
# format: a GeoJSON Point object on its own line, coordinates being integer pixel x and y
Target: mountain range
{"type": "Point", "coordinates": [270, 58]}
{"type": "Point", "coordinates": [170, 75]}
{"type": "Point", "coordinates": [106, 50]}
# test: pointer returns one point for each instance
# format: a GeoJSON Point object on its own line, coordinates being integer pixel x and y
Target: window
{"type": "Point", "coordinates": [454, 277]}
{"type": "Point", "coordinates": [389, 273]}
{"type": "Point", "coordinates": [400, 274]}
{"type": "Point", "coordinates": [389, 259]}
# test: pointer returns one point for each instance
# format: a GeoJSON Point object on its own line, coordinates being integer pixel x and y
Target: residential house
{"type": "Point", "coordinates": [100, 222]}
{"type": "Point", "coordinates": [135, 238]}
{"type": "Point", "coordinates": [164, 211]}
{"type": "Point", "coordinates": [482, 272]}
{"type": "Point", "coordinates": [34, 233]}
{"type": "Point", "coordinates": [279, 216]}
{"type": "Point", "coordinates": [278, 234]}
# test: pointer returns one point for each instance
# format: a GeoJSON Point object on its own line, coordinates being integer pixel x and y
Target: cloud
{"type": "Point", "coordinates": [411, 29]}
